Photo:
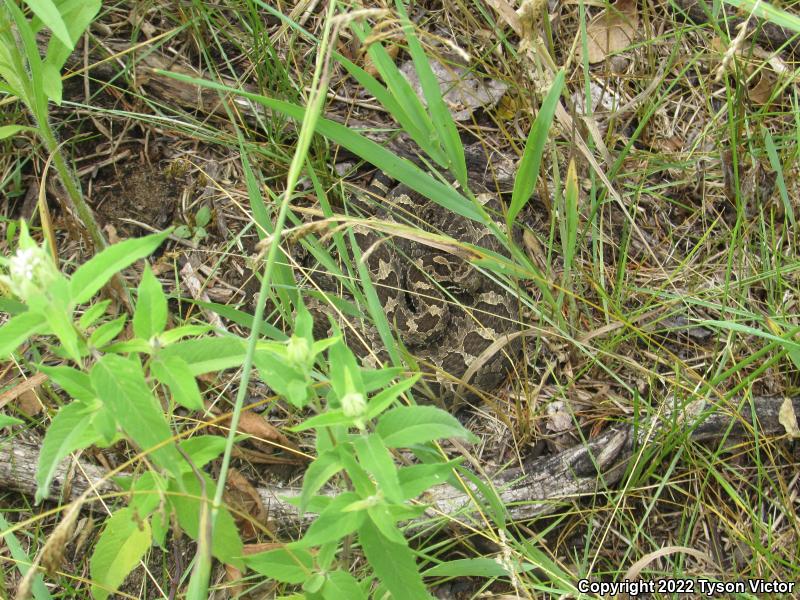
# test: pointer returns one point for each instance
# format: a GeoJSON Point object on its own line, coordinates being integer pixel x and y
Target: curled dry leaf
{"type": "Point", "coordinates": [788, 418]}
{"type": "Point", "coordinates": [242, 496]}
{"type": "Point", "coordinates": [612, 30]}
{"type": "Point", "coordinates": [761, 88]}
{"type": "Point", "coordinates": [265, 436]}
{"type": "Point", "coordinates": [462, 91]}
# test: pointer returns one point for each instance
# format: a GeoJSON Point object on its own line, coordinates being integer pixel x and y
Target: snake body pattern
{"type": "Point", "coordinates": [451, 317]}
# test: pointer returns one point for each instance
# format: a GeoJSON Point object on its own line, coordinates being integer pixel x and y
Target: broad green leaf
{"type": "Point", "coordinates": [59, 318]}
{"type": "Point", "coordinates": [329, 418]}
{"type": "Point", "coordinates": [408, 425]}
{"type": "Point", "coordinates": [50, 15]}
{"type": "Point", "coordinates": [94, 273]}
{"type": "Point", "coordinates": [51, 82]}
{"type": "Point", "coordinates": [26, 84]}
{"type": "Point", "coordinates": [318, 474]}
{"type": "Point", "coordinates": [206, 355]}
{"type": "Point", "coordinates": [415, 479]}
{"type": "Point", "coordinates": [313, 584]}
{"type": "Point", "coordinates": [362, 482]}
{"type": "Point", "coordinates": [12, 307]}
{"type": "Point", "coordinates": [182, 331]}
{"type": "Point", "coordinates": [150, 316]}
{"type": "Point", "coordinates": [202, 449]}
{"type": "Point", "coordinates": [18, 329]}
{"type": "Point", "coordinates": [135, 345]}
{"type": "Point", "coordinates": [385, 522]}
{"type": "Point", "coordinates": [333, 523]}
{"type": "Point", "coordinates": [203, 216]}
{"type": "Point", "coordinates": [340, 584]}
{"type": "Point", "coordinates": [287, 565]}
{"type": "Point", "coordinates": [93, 313]}
{"type": "Point", "coordinates": [121, 546]}
{"type": "Point", "coordinates": [174, 372]}
{"type": "Point", "coordinates": [345, 373]}
{"type": "Point", "coordinates": [378, 462]}
{"type": "Point", "coordinates": [394, 564]}
{"type": "Point", "coordinates": [147, 493]}
{"type": "Point", "coordinates": [121, 385]}
{"type": "Point", "coordinates": [70, 430]}
{"type": "Point", "coordinates": [76, 383]}
{"type": "Point", "coordinates": [376, 379]}
{"type": "Point", "coordinates": [226, 545]}
{"type": "Point", "coordinates": [528, 171]}
{"type": "Point", "coordinates": [382, 400]}
{"type": "Point", "coordinates": [5, 421]}
{"type": "Point", "coordinates": [9, 130]}
{"type": "Point", "coordinates": [286, 380]}
{"type": "Point", "coordinates": [107, 332]}
{"type": "Point", "coordinates": [105, 424]}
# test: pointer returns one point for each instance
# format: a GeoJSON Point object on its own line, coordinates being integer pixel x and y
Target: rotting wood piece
{"type": "Point", "coordinates": [534, 490]}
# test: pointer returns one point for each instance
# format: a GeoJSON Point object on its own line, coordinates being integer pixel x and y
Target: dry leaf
{"type": "Point", "coordinates": [29, 404]}
{"type": "Point", "coordinates": [264, 435]}
{"type": "Point", "coordinates": [20, 390]}
{"type": "Point", "coordinates": [241, 495]}
{"type": "Point", "coordinates": [612, 30]}
{"type": "Point", "coordinates": [761, 91]}
{"type": "Point", "coordinates": [788, 418]}
{"type": "Point", "coordinates": [558, 418]}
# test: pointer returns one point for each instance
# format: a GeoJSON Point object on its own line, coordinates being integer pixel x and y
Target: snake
{"type": "Point", "coordinates": [452, 318]}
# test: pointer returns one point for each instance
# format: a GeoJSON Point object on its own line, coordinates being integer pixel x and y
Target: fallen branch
{"type": "Point", "coordinates": [533, 490]}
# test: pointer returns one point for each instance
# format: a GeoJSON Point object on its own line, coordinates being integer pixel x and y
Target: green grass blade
{"type": "Point", "coordinates": [444, 126]}
{"type": "Point", "coordinates": [764, 10]}
{"type": "Point", "coordinates": [780, 182]}
{"type": "Point", "coordinates": [415, 117]}
{"type": "Point", "coordinates": [528, 171]}
{"type": "Point", "coordinates": [398, 168]}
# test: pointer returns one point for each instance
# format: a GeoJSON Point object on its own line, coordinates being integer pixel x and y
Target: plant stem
{"type": "Point", "coordinates": [71, 185]}
{"type": "Point", "coordinates": [316, 100]}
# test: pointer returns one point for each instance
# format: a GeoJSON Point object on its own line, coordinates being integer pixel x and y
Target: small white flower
{"type": "Point", "coordinates": [30, 272]}
{"type": "Point", "coordinates": [354, 404]}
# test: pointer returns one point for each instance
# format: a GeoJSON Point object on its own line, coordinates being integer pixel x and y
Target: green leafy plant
{"type": "Point", "coordinates": [196, 232]}
{"type": "Point", "coordinates": [358, 425]}
{"type": "Point", "coordinates": [36, 79]}
{"type": "Point", "coordinates": [121, 389]}
{"type": "Point", "coordinates": [111, 383]}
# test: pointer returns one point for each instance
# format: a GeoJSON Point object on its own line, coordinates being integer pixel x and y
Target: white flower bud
{"type": "Point", "coordinates": [354, 404]}
{"type": "Point", "coordinates": [298, 351]}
